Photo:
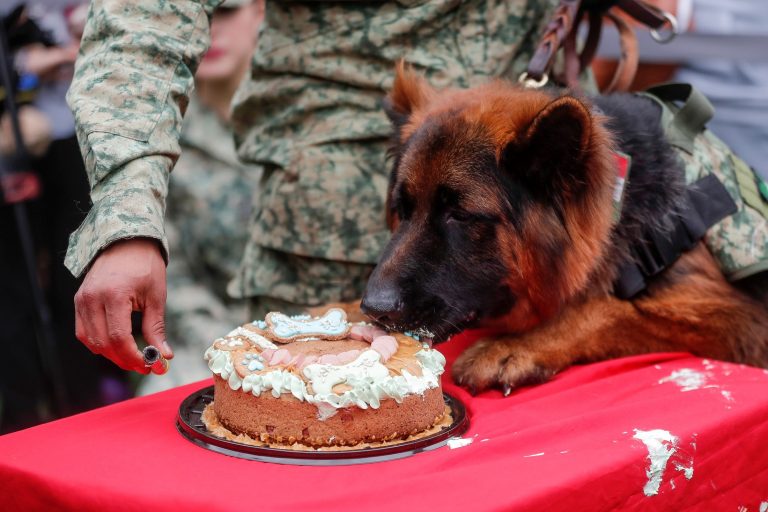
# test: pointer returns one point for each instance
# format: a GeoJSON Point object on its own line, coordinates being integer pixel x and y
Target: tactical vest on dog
{"type": "Point", "coordinates": [727, 201]}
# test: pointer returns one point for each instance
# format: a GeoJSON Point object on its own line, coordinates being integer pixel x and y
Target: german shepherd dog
{"type": "Point", "coordinates": [500, 204]}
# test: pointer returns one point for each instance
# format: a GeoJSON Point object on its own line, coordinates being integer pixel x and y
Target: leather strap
{"type": "Point", "coordinates": [554, 35]}
{"type": "Point", "coordinates": [626, 67]}
{"type": "Point", "coordinates": [595, 20]}
{"type": "Point", "coordinates": [646, 14]}
{"type": "Point", "coordinates": [562, 31]}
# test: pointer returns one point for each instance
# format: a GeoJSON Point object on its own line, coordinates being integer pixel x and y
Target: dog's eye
{"type": "Point", "coordinates": [403, 209]}
{"type": "Point", "coordinates": [459, 216]}
{"type": "Point", "coordinates": [402, 204]}
{"type": "Point", "coordinates": [454, 215]}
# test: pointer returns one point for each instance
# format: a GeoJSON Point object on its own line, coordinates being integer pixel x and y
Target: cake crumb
{"type": "Point", "coordinates": [459, 442]}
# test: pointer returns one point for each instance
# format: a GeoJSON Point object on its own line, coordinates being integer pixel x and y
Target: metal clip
{"type": "Point", "coordinates": [531, 83]}
{"type": "Point", "coordinates": [669, 34]}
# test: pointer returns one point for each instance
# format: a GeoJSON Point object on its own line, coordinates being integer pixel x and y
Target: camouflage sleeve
{"type": "Point", "coordinates": [132, 80]}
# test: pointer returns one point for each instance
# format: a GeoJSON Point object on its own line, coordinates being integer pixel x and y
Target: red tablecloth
{"type": "Point", "coordinates": [572, 444]}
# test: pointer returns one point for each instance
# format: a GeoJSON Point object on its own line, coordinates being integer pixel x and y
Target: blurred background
{"type": "Point", "coordinates": [45, 373]}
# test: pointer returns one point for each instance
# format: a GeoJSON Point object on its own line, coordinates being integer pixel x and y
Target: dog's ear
{"type": "Point", "coordinates": [551, 153]}
{"type": "Point", "coordinates": [409, 92]}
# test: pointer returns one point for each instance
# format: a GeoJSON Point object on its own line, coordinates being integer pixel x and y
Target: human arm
{"type": "Point", "coordinates": [45, 62]}
{"type": "Point", "coordinates": [130, 89]}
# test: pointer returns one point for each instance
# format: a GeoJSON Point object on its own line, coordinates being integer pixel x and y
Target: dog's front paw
{"type": "Point", "coordinates": [500, 363]}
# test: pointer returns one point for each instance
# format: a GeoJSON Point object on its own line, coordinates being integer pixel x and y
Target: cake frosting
{"type": "Point", "coordinates": [286, 378]}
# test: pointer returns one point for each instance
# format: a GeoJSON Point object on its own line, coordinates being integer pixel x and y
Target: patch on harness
{"type": "Point", "coordinates": [623, 165]}
{"type": "Point", "coordinates": [753, 190]}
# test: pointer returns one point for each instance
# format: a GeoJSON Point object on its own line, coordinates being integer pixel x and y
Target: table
{"type": "Point", "coordinates": [654, 432]}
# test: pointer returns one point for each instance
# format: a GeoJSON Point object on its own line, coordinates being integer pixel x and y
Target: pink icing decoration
{"type": "Point", "coordinates": [376, 332]}
{"type": "Point", "coordinates": [281, 356]}
{"type": "Point", "coordinates": [297, 360]}
{"type": "Point", "coordinates": [334, 359]}
{"type": "Point", "coordinates": [357, 332]}
{"type": "Point", "coordinates": [385, 345]}
{"type": "Point", "coordinates": [365, 332]}
{"type": "Point", "coordinates": [327, 359]}
{"type": "Point", "coordinates": [267, 354]}
{"type": "Point", "coordinates": [380, 341]}
{"type": "Point", "coordinates": [347, 357]}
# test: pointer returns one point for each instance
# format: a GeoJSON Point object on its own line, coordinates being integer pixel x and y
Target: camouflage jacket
{"type": "Point", "coordinates": [309, 111]}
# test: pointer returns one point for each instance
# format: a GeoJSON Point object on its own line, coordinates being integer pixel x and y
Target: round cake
{"type": "Point", "coordinates": [322, 381]}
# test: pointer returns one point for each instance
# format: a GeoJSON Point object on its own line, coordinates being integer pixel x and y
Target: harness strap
{"type": "Point", "coordinates": [706, 203]}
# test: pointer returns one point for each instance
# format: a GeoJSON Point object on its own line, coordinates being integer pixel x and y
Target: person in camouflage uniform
{"type": "Point", "coordinates": [309, 112]}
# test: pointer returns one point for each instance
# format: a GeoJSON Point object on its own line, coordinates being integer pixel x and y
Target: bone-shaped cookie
{"type": "Point", "coordinates": [332, 325]}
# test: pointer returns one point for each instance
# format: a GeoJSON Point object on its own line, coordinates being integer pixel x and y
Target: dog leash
{"type": "Point", "coordinates": [562, 31]}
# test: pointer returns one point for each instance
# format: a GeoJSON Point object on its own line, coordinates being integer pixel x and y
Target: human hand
{"type": "Point", "coordinates": [127, 276]}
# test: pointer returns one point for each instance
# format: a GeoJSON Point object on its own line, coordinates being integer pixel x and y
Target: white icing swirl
{"type": "Point", "coordinates": [368, 378]}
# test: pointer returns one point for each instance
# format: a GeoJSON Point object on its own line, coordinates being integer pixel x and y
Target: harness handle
{"type": "Point", "coordinates": [691, 111]}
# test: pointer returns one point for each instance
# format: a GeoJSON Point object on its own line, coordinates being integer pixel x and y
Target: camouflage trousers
{"type": "Point", "coordinates": [311, 113]}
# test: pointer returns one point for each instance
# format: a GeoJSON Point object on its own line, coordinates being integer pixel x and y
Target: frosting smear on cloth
{"type": "Point", "coordinates": [322, 381]}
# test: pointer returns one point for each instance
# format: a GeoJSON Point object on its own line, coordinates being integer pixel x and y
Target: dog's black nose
{"type": "Point", "coordinates": [383, 303]}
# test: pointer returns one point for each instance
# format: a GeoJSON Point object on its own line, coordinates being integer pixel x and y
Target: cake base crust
{"type": "Point", "coordinates": [287, 420]}
{"type": "Point", "coordinates": [215, 427]}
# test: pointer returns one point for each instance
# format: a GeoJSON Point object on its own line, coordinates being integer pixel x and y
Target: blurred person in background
{"type": "Point", "coordinates": [209, 202]}
{"type": "Point", "coordinates": [63, 202]}
{"type": "Point", "coordinates": [736, 86]}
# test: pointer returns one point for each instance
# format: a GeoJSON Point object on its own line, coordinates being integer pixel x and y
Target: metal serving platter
{"type": "Point", "coordinates": [191, 426]}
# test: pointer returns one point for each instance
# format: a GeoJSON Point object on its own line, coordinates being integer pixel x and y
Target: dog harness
{"type": "Point", "coordinates": [725, 203]}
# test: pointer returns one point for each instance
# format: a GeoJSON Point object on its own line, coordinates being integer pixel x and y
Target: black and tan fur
{"type": "Point", "coordinates": [501, 212]}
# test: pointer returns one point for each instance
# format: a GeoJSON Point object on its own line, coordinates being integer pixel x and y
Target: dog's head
{"type": "Point", "coordinates": [499, 204]}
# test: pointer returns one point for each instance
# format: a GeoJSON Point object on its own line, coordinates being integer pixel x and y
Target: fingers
{"type": "Point", "coordinates": [90, 322]}
{"type": "Point", "coordinates": [122, 347]}
{"type": "Point", "coordinates": [103, 324]}
{"type": "Point", "coordinates": [153, 327]}
{"type": "Point", "coordinates": [80, 332]}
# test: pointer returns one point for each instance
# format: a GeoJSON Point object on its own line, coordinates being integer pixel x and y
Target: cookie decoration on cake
{"type": "Point", "coordinates": [231, 343]}
{"type": "Point", "coordinates": [253, 335]}
{"type": "Point", "coordinates": [281, 328]}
